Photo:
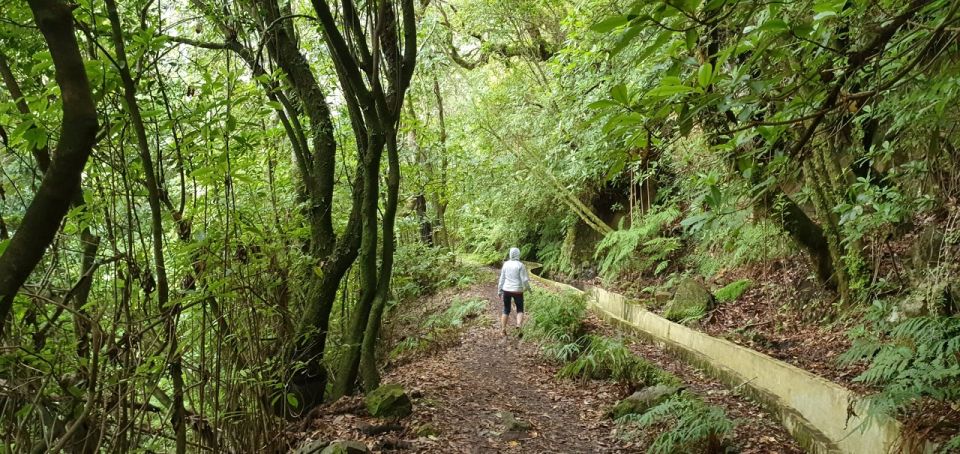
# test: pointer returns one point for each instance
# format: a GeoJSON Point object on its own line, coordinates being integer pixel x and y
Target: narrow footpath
{"type": "Point", "coordinates": [492, 393]}
{"type": "Point", "coordinates": [468, 391]}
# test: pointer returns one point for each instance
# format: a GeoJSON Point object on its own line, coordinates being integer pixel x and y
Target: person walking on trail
{"type": "Point", "coordinates": [514, 280]}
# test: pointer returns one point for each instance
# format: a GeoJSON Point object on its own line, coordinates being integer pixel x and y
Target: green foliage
{"type": "Point", "coordinates": [733, 241]}
{"type": "Point", "coordinates": [918, 358]}
{"type": "Point", "coordinates": [439, 329]}
{"type": "Point", "coordinates": [458, 312]}
{"type": "Point", "coordinates": [422, 270]}
{"type": "Point", "coordinates": [556, 317]}
{"type": "Point", "coordinates": [603, 358]}
{"type": "Point", "coordinates": [639, 247]}
{"type": "Point", "coordinates": [732, 291]}
{"type": "Point", "coordinates": [694, 425]}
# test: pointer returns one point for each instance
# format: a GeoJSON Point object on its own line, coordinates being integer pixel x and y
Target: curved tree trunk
{"type": "Point", "coordinates": [369, 372]}
{"type": "Point", "coordinates": [62, 180]}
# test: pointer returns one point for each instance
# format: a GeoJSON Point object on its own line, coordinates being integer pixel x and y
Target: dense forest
{"type": "Point", "coordinates": [210, 209]}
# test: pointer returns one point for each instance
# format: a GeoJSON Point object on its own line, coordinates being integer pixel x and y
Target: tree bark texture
{"type": "Point", "coordinates": [62, 180]}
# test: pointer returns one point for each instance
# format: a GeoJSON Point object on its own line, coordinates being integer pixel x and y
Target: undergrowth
{"type": "Point", "coordinates": [735, 240]}
{"type": "Point", "coordinates": [694, 426]}
{"type": "Point", "coordinates": [557, 317]}
{"type": "Point", "coordinates": [640, 247]}
{"type": "Point", "coordinates": [422, 270]}
{"type": "Point", "coordinates": [913, 360]}
{"type": "Point", "coordinates": [439, 328]}
{"type": "Point", "coordinates": [603, 358]}
{"type": "Point", "coordinates": [558, 325]}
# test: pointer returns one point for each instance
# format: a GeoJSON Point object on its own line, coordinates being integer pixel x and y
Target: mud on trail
{"type": "Point", "coordinates": [486, 393]}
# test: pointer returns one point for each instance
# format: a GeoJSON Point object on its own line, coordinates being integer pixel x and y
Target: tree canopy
{"type": "Point", "coordinates": [208, 208]}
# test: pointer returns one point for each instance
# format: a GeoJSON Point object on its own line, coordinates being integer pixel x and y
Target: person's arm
{"type": "Point", "coordinates": [524, 278]}
{"type": "Point", "coordinates": [500, 285]}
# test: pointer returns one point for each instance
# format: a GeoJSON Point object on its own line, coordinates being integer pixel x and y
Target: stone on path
{"type": "Point", "coordinates": [643, 400]}
{"type": "Point", "coordinates": [313, 447]}
{"type": "Point", "coordinates": [512, 424]}
{"type": "Point", "coordinates": [427, 430]}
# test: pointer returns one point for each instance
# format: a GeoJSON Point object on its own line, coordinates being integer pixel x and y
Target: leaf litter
{"type": "Point", "coordinates": [488, 393]}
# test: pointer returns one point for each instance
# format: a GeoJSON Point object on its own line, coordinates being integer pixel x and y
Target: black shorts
{"type": "Point", "coordinates": [517, 298]}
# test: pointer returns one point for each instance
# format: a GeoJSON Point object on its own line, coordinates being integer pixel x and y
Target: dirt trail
{"type": "Point", "coordinates": [466, 392]}
{"type": "Point", "coordinates": [467, 388]}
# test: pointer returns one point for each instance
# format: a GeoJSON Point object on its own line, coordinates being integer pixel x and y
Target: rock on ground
{"type": "Point", "coordinates": [388, 401]}
{"type": "Point", "coordinates": [643, 400]}
{"type": "Point", "coordinates": [690, 299]}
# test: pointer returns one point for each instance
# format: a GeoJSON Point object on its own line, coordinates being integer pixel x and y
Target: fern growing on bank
{"type": "Point", "coordinates": [639, 247]}
{"type": "Point", "coordinates": [602, 358]}
{"type": "Point", "coordinates": [458, 312]}
{"type": "Point", "coordinates": [915, 359]}
{"type": "Point", "coordinates": [694, 426]}
{"type": "Point", "coordinates": [557, 317]}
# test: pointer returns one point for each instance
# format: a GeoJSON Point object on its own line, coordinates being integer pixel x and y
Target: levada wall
{"type": "Point", "coordinates": [822, 416]}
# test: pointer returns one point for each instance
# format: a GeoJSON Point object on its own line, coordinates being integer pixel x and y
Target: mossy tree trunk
{"type": "Point", "coordinates": [375, 112]}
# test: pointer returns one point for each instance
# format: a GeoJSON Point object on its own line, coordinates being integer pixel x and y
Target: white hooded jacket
{"type": "Point", "coordinates": [513, 274]}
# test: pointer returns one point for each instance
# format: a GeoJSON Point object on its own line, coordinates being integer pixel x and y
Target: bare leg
{"type": "Point", "coordinates": [503, 323]}
{"type": "Point", "coordinates": [519, 319]}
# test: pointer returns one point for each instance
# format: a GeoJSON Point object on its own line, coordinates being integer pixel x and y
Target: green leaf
{"type": "Point", "coordinates": [602, 104]}
{"type": "Point", "coordinates": [714, 4]}
{"type": "Point", "coordinates": [36, 137]}
{"type": "Point", "coordinates": [3, 246]}
{"type": "Point", "coordinates": [661, 40]}
{"type": "Point", "coordinates": [639, 139]}
{"type": "Point", "coordinates": [609, 23]}
{"type": "Point", "coordinates": [705, 74]}
{"type": "Point", "coordinates": [773, 25]}
{"type": "Point", "coordinates": [626, 38]}
{"type": "Point", "coordinates": [714, 198]}
{"type": "Point", "coordinates": [691, 36]}
{"type": "Point", "coordinates": [824, 15]}
{"type": "Point", "coordinates": [664, 91]}
{"type": "Point", "coordinates": [620, 94]}
{"type": "Point", "coordinates": [615, 169]}
{"type": "Point", "coordinates": [695, 220]}
{"type": "Point", "coordinates": [802, 30]}
{"type": "Point", "coordinates": [685, 120]}
{"type": "Point", "coordinates": [292, 400]}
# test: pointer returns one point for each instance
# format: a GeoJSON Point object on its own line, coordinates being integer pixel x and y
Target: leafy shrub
{"type": "Point", "coordinates": [421, 270]}
{"type": "Point", "coordinates": [640, 247]}
{"type": "Point", "coordinates": [916, 359]}
{"type": "Point", "coordinates": [732, 291]}
{"type": "Point", "coordinates": [557, 317]}
{"type": "Point", "coordinates": [694, 425]}
{"type": "Point", "coordinates": [602, 358]}
{"type": "Point", "coordinates": [735, 240]}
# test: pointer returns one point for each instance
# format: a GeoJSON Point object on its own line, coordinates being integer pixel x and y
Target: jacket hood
{"type": "Point", "coordinates": [514, 253]}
